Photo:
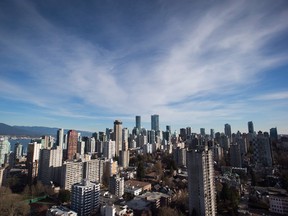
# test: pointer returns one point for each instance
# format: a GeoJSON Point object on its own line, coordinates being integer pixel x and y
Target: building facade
{"type": "Point", "coordinates": [85, 198]}
{"type": "Point", "coordinates": [202, 198]}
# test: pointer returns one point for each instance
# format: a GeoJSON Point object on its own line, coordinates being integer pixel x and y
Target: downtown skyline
{"type": "Point", "coordinates": [82, 65]}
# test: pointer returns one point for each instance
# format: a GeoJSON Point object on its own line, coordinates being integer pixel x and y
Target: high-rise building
{"type": "Point", "coordinates": [201, 188]}
{"type": "Point", "coordinates": [50, 163]}
{"type": "Point", "coordinates": [124, 159]}
{"type": "Point", "coordinates": [212, 133]}
{"type": "Point", "coordinates": [90, 145]}
{"type": "Point", "coordinates": [179, 156]}
{"type": "Point", "coordinates": [71, 173]}
{"type": "Point", "coordinates": [151, 136]}
{"type": "Point", "coordinates": [155, 122]}
{"type": "Point", "coordinates": [18, 150]}
{"type": "Point", "coordinates": [109, 149]}
{"type": "Point", "coordinates": [32, 162]}
{"type": "Point", "coordinates": [235, 155]}
{"type": "Point", "coordinates": [202, 131]}
{"type": "Point", "coordinates": [250, 127]}
{"type": "Point", "coordinates": [262, 151]}
{"type": "Point", "coordinates": [116, 185]}
{"type": "Point", "coordinates": [93, 170]}
{"type": "Point", "coordinates": [4, 150]}
{"type": "Point", "coordinates": [72, 144]}
{"type": "Point", "coordinates": [60, 137]}
{"type": "Point", "coordinates": [85, 198]}
{"type": "Point", "coordinates": [117, 136]}
{"type": "Point", "coordinates": [227, 131]}
{"type": "Point", "coordinates": [273, 134]}
{"type": "Point", "coordinates": [138, 123]}
{"type": "Point", "coordinates": [125, 136]}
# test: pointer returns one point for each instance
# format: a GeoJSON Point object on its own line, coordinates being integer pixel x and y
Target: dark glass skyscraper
{"type": "Point", "coordinates": [250, 127]}
{"type": "Point", "coordinates": [155, 122]}
{"type": "Point", "coordinates": [227, 130]}
{"type": "Point", "coordinates": [138, 123]}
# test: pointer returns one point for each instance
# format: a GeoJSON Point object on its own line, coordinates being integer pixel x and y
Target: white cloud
{"type": "Point", "coordinates": [215, 54]}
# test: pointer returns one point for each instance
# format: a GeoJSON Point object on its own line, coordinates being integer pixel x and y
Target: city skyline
{"type": "Point", "coordinates": [81, 66]}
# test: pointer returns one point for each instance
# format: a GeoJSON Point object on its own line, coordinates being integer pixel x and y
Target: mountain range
{"type": "Point", "coordinates": [33, 131]}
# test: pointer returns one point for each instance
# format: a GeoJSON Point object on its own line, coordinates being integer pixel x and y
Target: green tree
{"type": "Point", "coordinates": [64, 196]}
{"type": "Point", "coordinates": [140, 170]}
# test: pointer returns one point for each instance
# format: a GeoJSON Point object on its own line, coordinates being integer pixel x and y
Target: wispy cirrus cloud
{"type": "Point", "coordinates": [174, 66]}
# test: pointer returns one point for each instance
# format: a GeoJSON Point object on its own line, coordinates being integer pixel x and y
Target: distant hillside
{"type": "Point", "coordinates": [33, 131]}
{"type": "Point", "coordinates": [13, 131]}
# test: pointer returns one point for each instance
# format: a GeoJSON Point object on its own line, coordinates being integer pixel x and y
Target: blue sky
{"type": "Point", "coordinates": [83, 64]}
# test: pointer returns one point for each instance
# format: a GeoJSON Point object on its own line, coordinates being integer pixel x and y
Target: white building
{"type": "Point", "coordinates": [50, 163]}
{"type": "Point", "coordinates": [93, 170]}
{"type": "Point", "coordinates": [85, 198]}
{"type": "Point", "coordinates": [202, 199]}
{"type": "Point", "coordinates": [109, 149]}
{"type": "Point", "coordinates": [278, 204]}
{"type": "Point", "coordinates": [60, 211]}
{"type": "Point", "coordinates": [124, 159]}
{"type": "Point", "coordinates": [116, 186]}
{"type": "Point", "coordinates": [71, 173]}
{"type": "Point", "coordinates": [4, 150]}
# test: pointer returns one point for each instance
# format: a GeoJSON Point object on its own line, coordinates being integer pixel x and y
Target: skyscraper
{"type": "Point", "coordinates": [273, 134]}
{"type": "Point", "coordinates": [85, 197]}
{"type": "Point", "coordinates": [60, 137]}
{"type": "Point", "coordinates": [72, 144]}
{"type": "Point", "coordinates": [202, 131]}
{"type": "Point", "coordinates": [212, 133]}
{"type": "Point", "coordinates": [4, 150]}
{"type": "Point", "coordinates": [33, 161]}
{"type": "Point", "coordinates": [117, 136]}
{"type": "Point", "coordinates": [201, 188]}
{"type": "Point", "coordinates": [50, 163]}
{"type": "Point", "coordinates": [71, 173]}
{"type": "Point", "coordinates": [227, 131]}
{"type": "Point", "coordinates": [155, 122]}
{"type": "Point", "coordinates": [138, 123]}
{"type": "Point", "coordinates": [250, 127]}
{"type": "Point", "coordinates": [18, 150]}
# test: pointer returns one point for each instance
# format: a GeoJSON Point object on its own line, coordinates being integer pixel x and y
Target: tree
{"type": "Point", "coordinates": [167, 211]}
{"type": "Point", "coordinates": [140, 171]}
{"type": "Point", "coordinates": [64, 196]}
{"type": "Point", "coordinates": [12, 204]}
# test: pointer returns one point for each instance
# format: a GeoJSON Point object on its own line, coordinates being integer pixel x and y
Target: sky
{"type": "Point", "coordinates": [83, 64]}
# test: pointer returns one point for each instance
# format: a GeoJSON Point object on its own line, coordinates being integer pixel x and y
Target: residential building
{"type": "Point", "coordinates": [50, 164]}
{"type": "Point", "coordinates": [201, 188]}
{"type": "Point", "coordinates": [117, 137]}
{"type": "Point", "coordinates": [85, 198]}
{"type": "Point", "coordinates": [60, 211]}
{"type": "Point", "coordinates": [124, 159]}
{"type": "Point", "coordinates": [32, 162]}
{"type": "Point", "coordinates": [116, 185]}
{"type": "Point", "coordinates": [71, 173]}
{"type": "Point", "coordinates": [179, 156]}
{"type": "Point", "coordinates": [4, 150]}
{"type": "Point", "coordinates": [18, 150]}
{"type": "Point", "coordinates": [93, 170]}
{"type": "Point", "coordinates": [278, 204]}
{"type": "Point", "coordinates": [109, 150]}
